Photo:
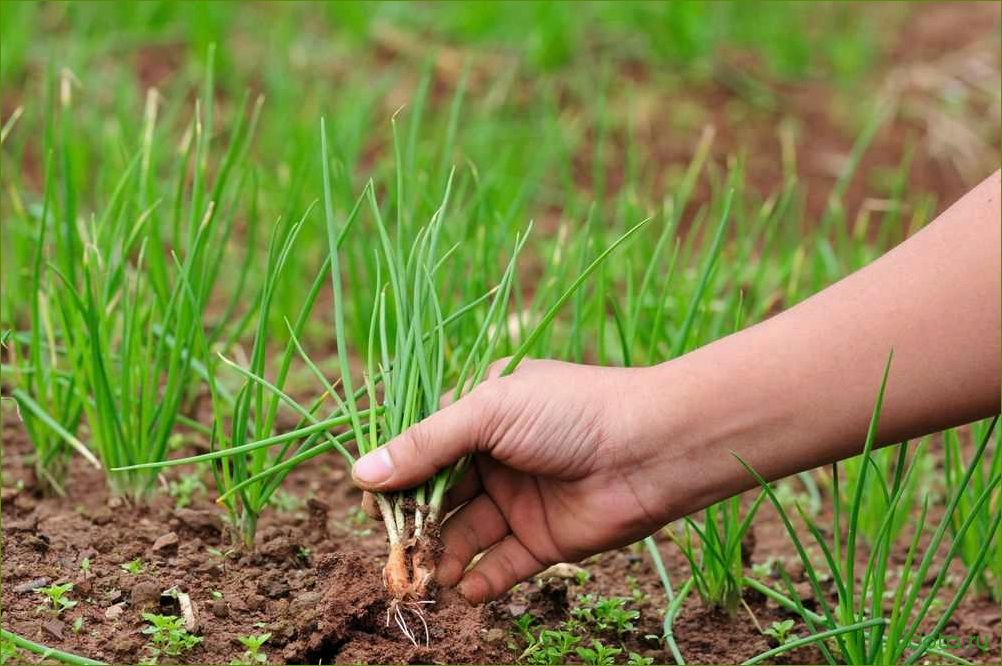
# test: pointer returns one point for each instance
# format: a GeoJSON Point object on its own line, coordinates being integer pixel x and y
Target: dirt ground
{"type": "Point", "coordinates": [314, 581]}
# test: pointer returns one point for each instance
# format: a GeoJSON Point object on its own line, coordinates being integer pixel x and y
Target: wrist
{"type": "Point", "coordinates": [690, 421]}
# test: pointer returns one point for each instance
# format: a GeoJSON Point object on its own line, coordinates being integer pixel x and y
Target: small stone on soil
{"type": "Point", "coordinates": [114, 612]}
{"type": "Point", "coordinates": [101, 516]}
{"type": "Point", "coordinates": [494, 635]}
{"type": "Point", "coordinates": [517, 610]}
{"type": "Point", "coordinates": [166, 542]}
{"type": "Point", "coordinates": [30, 585]}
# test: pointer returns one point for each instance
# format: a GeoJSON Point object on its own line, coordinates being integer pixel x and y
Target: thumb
{"type": "Point", "coordinates": [425, 448]}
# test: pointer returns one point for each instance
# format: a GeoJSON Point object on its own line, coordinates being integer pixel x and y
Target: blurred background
{"type": "Point", "coordinates": [879, 111]}
{"type": "Point", "coordinates": [629, 84]}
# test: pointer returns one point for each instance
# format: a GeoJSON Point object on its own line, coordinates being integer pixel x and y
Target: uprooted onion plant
{"type": "Point", "coordinates": [410, 362]}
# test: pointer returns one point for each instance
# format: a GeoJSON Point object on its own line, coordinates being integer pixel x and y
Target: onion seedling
{"type": "Point", "coordinates": [409, 351]}
{"type": "Point", "coordinates": [988, 581]}
{"type": "Point", "coordinates": [871, 620]}
{"type": "Point", "coordinates": [45, 392]}
{"type": "Point", "coordinates": [125, 323]}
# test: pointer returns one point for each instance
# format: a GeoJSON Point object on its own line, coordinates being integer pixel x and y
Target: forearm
{"type": "Point", "coordinates": [797, 391]}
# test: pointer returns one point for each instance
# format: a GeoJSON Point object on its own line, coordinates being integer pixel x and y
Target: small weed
{"type": "Point", "coordinates": [637, 660]}
{"type": "Point", "coordinates": [605, 613]}
{"type": "Point", "coordinates": [85, 565]}
{"type": "Point", "coordinates": [185, 488]}
{"type": "Point", "coordinates": [581, 577]}
{"type": "Point", "coordinates": [780, 631]}
{"type": "Point", "coordinates": [764, 570]}
{"type": "Point", "coordinates": [56, 594]}
{"type": "Point", "coordinates": [133, 567]}
{"type": "Point", "coordinates": [638, 595]}
{"type": "Point", "coordinates": [168, 637]}
{"type": "Point", "coordinates": [78, 625]}
{"type": "Point", "coordinates": [550, 647]}
{"type": "Point", "coordinates": [598, 654]}
{"type": "Point", "coordinates": [286, 502]}
{"type": "Point", "coordinates": [216, 594]}
{"type": "Point", "coordinates": [252, 654]}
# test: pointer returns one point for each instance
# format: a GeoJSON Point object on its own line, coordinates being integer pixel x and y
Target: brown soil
{"type": "Point", "coordinates": [314, 581]}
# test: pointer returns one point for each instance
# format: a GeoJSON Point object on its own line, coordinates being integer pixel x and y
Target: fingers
{"type": "Point", "coordinates": [468, 487]}
{"type": "Point", "coordinates": [425, 448]}
{"type": "Point", "coordinates": [475, 528]}
{"type": "Point", "coordinates": [504, 565]}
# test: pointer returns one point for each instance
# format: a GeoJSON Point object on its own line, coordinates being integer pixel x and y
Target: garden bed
{"type": "Point", "coordinates": [314, 581]}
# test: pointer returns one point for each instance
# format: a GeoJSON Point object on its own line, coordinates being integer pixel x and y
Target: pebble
{"type": "Point", "coordinates": [114, 612]}
{"type": "Point", "coordinates": [494, 635]}
{"type": "Point", "coordinates": [101, 516]}
{"type": "Point", "coordinates": [30, 585]}
{"type": "Point", "coordinates": [517, 610]}
{"type": "Point", "coordinates": [165, 542]}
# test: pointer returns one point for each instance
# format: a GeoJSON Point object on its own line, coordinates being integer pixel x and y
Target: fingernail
{"type": "Point", "coordinates": [373, 468]}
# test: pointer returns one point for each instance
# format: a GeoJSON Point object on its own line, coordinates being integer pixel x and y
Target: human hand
{"type": "Point", "coordinates": [560, 470]}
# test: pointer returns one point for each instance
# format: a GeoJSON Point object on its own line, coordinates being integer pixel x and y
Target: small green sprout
{"type": "Point", "coordinates": [133, 567]}
{"type": "Point", "coordinates": [304, 553]}
{"type": "Point", "coordinates": [168, 637]}
{"type": "Point", "coordinates": [638, 594]}
{"type": "Point", "coordinates": [185, 488]}
{"type": "Point", "coordinates": [598, 654]}
{"type": "Point", "coordinates": [221, 554]}
{"type": "Point", "coordinates": [216, 594]}
{"type": "Point", "coordinates": [85, 565]}
{"type": "Point", "coordinates": [764, 570]}
{"type": "Point", "coordinates": [551, 647]}
{"type": "Point", "coordinates": [605, 613]}
{"type": "Point", "coordinates": [253, 654]}
{"type": "Point", "coordinates": [637, 660]}
{"type": "Point", "coordinates": [78, 625]}
{"type": "Point", "coordinates": [524, 625]}
{"type": "Point", "coordinates": [56, 594]}
{"type": "Point", "coordinates": [286, 502]}
{"type": "Point", "coordinates": [581, 577]}
{"type": "Point", "coordinates": [780, 631]}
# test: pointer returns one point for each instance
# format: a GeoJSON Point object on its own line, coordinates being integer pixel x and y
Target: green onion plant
{"type": "Point", "coordinates": [879, 615]}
